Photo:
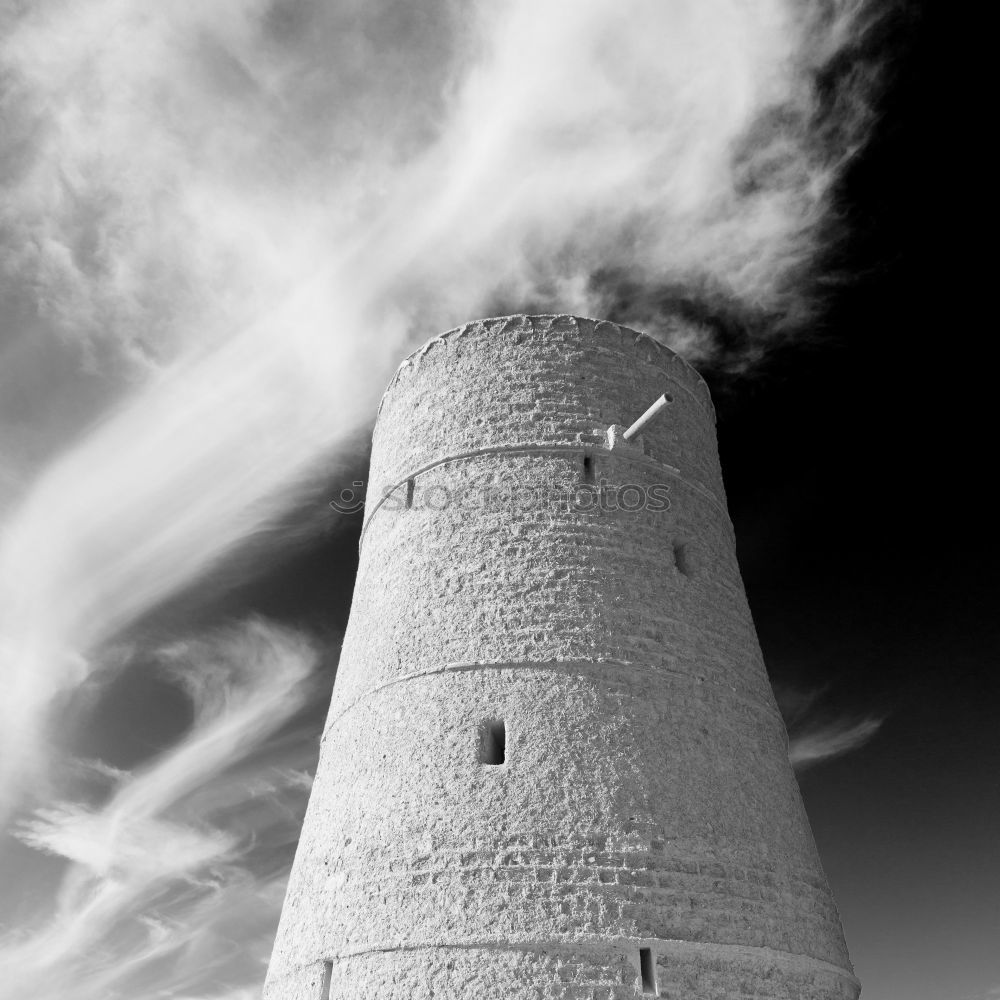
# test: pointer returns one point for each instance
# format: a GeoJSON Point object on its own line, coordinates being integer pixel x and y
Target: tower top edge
{"type": "Point", "coordinates": [539, 323]}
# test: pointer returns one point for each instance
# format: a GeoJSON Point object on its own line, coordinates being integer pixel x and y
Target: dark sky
{"type": "Point", "coordinates": [859, 479]}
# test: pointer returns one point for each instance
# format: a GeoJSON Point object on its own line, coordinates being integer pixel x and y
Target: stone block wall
{"type": "Point", "coordinates": [509, 574]}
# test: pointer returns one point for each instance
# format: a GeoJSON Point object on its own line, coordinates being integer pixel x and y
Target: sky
{"type": "Point", "coordinates": [221, 228]}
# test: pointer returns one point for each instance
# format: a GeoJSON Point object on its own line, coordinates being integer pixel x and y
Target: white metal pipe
{"type": "Point", "coordinates": [660, 403]}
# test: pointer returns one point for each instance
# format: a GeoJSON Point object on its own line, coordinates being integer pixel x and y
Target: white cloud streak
{"type": "Point", "coordinates": [176, 880]}
{"type": "Point", "coordinates": [833, 739]}
{"type": "Point", "coordinates": [815, 734]}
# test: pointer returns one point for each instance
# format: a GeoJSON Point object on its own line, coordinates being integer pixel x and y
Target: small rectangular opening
{"type": "Point", "coordinates": [409, 493]}
{"type": "Point", "coordinates": [588, 468]}
{"type": "Point", "coordinates": [493, 742]}
{"type": "Point", "coordinates": [683, 559]}
{"type": "Point", "coordinates": [647, 969]}
{"type": "Point", "coordinates": [324, 988]}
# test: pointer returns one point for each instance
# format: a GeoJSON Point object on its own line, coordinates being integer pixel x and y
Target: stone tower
{"type": "Point", "coordinates": [553, 766]}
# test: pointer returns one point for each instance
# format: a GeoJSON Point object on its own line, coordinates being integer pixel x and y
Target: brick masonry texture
{"type": "Point", "coordinates": [645, 799]}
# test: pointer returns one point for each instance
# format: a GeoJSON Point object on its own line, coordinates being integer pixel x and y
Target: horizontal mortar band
{"type": "Point", "coordinates": [589, 857]}
{"type": "Point", "coordinates": [668, 947]}
{"type": "Point", "coordinates": [554, 665]}
{"type": "Point", "coordinates": [563, 449]}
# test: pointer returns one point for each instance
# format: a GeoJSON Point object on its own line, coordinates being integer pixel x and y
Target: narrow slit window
{"type": "Point", "coordinates": [324, 988]}
{"type": "Point", "coordinates": [493, 743]}
{"type": "Point", "coordinates": [683, 558]}
{"type": "Point", "coordinates": [588, 468]}
{"type": "Point", "coordinates": [409, 493]}
{"type": "Point", "coordinates": [647, 969]}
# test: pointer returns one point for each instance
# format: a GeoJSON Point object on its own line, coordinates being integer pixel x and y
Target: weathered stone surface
{"type": "Point", "coordinates": [645, 800]}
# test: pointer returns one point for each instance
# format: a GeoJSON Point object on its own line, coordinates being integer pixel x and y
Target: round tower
{"type": "Point", "coordinates": [553, 766]}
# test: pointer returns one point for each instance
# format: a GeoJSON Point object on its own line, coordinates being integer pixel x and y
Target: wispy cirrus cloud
{"type": "Point", "coordinates": [176, 170]}
{"type": "Point", "coordinates": [823, 741]}
{"type": "Point", "coordinates": [815, 734]}
{"type": "Point", "coordinates": [175, 881]}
